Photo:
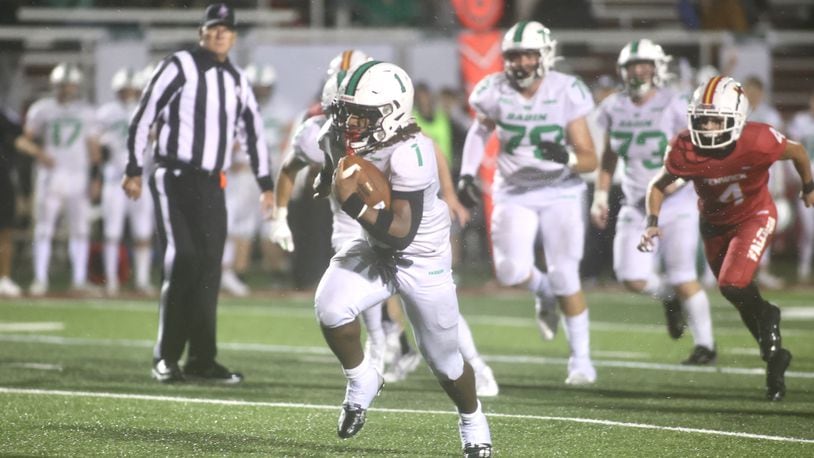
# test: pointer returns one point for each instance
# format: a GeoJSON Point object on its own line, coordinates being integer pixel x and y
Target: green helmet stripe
{"type": "Point", "coordinates": [340, 75]}
{"type": "Point", "coordinates": [634, 47]}
{"type": "Point", "coordinates": [357, 75]}
{"type": "Point", "coordinates": [518, 33]}
{"type": "Point", "coordinates": [403, 89]}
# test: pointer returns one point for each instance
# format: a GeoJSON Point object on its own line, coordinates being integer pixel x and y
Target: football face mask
{"type": "Point", "coordinates": [642, 65]}
{"type": "Point", "coordinates": [717, 113]}
{"type": "Point", "coordinates": [528, 37]}
{"type": "Point", "coordinates": [362, 125]}
{"type": "Point", "coordinates": [373, 104]}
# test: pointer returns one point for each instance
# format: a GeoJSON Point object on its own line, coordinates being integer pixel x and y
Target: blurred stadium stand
{"type": "Point", "coordinates": [38, 37]}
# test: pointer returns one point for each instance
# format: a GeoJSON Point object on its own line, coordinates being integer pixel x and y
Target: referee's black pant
{"type": "Point", "coordinates": [191, 220]}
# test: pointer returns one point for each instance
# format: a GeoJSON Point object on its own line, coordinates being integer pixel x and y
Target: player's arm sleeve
{"type": "Point", "coordinates": [252, 124]}
{"type": "Point", "coordinates": [474, 147]}
{"type": "Point", "coordinates": [163, 87]}
{"type": "Point", "coordinates": [672, 160]}
{"type": "Point", "coordinates": [398, 226]}
{"type": "Point", "coordinates": [484, 100]}
{"type": "Point", "coordinates": [579, 102]}
{"type": "Point", "coordinates": [603, 117]}
{"type": "Point", "coordinates": [771, 143]}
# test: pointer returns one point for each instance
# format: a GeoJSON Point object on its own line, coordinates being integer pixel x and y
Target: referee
{"type": "Point", "coordinates": [197, 102]}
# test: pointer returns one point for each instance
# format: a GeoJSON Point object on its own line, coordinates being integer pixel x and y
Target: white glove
{"type": "Point", "coordinates": [599, 209]}
{"type": "Point", "coordinates": [279, 232]}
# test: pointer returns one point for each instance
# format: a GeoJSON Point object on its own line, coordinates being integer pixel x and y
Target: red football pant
{"type": "Point", "coordinates": [734, 253]}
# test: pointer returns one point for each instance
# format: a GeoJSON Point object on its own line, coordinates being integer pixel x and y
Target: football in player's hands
{"type": "Point", "coordinates": [371, 184]}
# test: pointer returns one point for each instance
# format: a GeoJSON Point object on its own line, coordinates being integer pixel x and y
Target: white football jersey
{"type": "Point", "coordinates": [639, 135]}
{"type": "Point", "coordinates": [410, 166]}
{"type": "Point", "coordinates": [801, 129]}
{"type": "Point", "coordinates": [305, 144]}
{"type": "Point", "coordinates": [522, 123]}
{"type": "Point", "coordinates": [64, 130]}
{"type": "Point", "coordinates": [113, 122]}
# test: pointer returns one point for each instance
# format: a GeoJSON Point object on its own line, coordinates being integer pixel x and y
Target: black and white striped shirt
{"type": "Point", "coordinates": [198, 106]}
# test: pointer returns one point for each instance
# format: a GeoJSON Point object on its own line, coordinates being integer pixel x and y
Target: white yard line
{"type": "Point", "coordinates": [798, 313]}
{"type": "Point", "coordinates": [305, 350]}
{"type": "Point", "coordinates": [34, 326]}
{"type": "Point", "coordinates": [35, 366]}
{"type": "Point", "coordinates": [593, 421]}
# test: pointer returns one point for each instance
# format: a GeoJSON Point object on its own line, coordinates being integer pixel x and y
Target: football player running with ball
{"type": "Point", "coordinates": [639, 123]}
{"type": "Point", "coordinates": [540, 116]}
{"type": "Point", "coordinates": [728, 161]}
{"type": "Point", "coordinates": [305, 151]}
{"type": "Point", "coordinates": [404, 249]}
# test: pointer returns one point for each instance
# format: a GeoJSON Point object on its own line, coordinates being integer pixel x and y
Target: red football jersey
{"type": "Point", "coordinates": [732, 188]}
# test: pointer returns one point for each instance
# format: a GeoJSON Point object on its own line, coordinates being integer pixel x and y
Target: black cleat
{"type": "Point", "coordinates": [351, 420]}
{"type": "Point", "coordinates": [701, 356]}
{"type": "Point", "coordinates": [477, 450]}
{"type": "Point", "coordinates": [769, 332]}
{"type": "Point", "coordinates": [212, 372]}
{"type": "Point", "coordinates": [775, 374]}
{"type": "Point", "coordinates": [675, 318]}
{"type": "Point", "coordinates": [167, 372]}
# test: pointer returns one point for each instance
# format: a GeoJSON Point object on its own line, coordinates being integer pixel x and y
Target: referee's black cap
{"type": "Point", "coordinates": [219, 14]}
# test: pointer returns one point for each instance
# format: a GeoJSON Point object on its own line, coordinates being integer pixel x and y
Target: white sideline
{"type": "Point", "coordinates": [305, 350]}
{"type": "Point", "coordinates": [593, 421]}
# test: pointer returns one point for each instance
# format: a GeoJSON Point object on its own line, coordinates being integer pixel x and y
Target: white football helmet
{"type": "Point", "coordinates": [373, 103]}
{"type": "Point", "coordinates": [638, 51]}
{"type": "Point", "coordinates": [526, 36]}
{"type": "Point", "coordinates": [65, 73]}
{"type": "Point", "coordinates": [329, 90]}
{"type": "Point", "coordinates": [346, 60]}
{"type": "Point", "coordinates": [264, 76]}
{"type": "Point", "coordinates": [720, 98]}
{"type": "Point", "coordinates": [125, 78]}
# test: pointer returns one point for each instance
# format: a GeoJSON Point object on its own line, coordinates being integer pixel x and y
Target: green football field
{"type": "Point", "coordinates": [74, 381]}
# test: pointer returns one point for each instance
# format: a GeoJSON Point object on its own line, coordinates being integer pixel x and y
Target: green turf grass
{"type": "Point", "coordinates": [85, 389]}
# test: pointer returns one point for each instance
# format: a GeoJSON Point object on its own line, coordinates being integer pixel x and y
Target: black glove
{"type": "Point", "coordinates": [469, 193]}
{"type": "Point", "coordinates": [555, 152]}
{"type": "Point", "coordinates": [322, 183]}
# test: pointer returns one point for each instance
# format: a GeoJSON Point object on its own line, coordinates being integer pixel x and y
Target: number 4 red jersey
{"type": "Point", "coordinates": [734, 187]}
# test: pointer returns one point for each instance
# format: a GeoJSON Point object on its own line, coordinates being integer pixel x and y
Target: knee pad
{"type": "Point", "coordinates": [564, 278]}
{"type": "Point", "coordinates": [331, 316]}
{"type": "Point", "coordinates": [446, 369]}
{"type": "Point", "coordinates": [43, 232]}
{"type": "Point", "coordinates": [509, 273]}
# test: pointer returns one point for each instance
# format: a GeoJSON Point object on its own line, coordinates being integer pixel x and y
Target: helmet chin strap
{"type": "Point", "coordinates": [638, 88]}
{"type": "Point", "coordinates": [523, 79]}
